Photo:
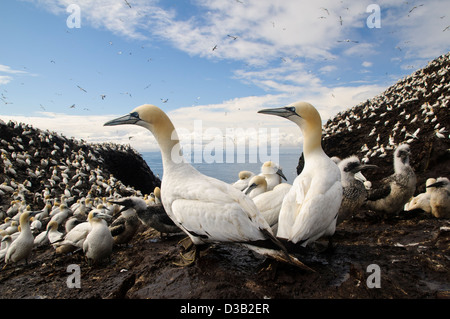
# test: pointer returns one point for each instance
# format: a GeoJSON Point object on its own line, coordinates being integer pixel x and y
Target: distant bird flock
{"type": "Point", "coordinates": [56, 193]}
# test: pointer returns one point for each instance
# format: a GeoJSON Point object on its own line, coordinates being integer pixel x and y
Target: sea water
{"type": "Point", "coordinates": [228, 172]}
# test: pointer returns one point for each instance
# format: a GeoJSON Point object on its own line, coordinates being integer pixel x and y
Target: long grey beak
{"type": "Point", "coordinates": [437, 185]}
{"type": "Point", "coordinates": [280, 111]}
{"type": "Point", "coordinates": [34, 213]}
{"type": "Point", "coordinates": [249, 188]}
{"type": "Point", "coordinates": [102, 216]}
{"type": "Point", "coordinates": [131, 118]}
{"type": "Point", "coordinates": [280, 173]}
{"type": "Point", "coordinates": [362, 167]}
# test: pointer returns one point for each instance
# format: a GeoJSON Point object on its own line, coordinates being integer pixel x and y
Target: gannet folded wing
{"type": "Point", "coordinates": [308, 225]}
{"type": "Point", "coordinates": [269, 203]}
{"type": "Point", "coordinates": [211, 210]}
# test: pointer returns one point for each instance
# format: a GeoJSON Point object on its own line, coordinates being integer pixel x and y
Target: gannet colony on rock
{"type": "Point", "coordinates": [49, 186]}
{"type": "Point", "coordinates": [73, 197]}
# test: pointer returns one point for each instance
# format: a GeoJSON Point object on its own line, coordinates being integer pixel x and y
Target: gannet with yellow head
{"type": "Point", "coordinates": [206, 209]}
{"type": "Point", "coordinates": [20, 249]}
{"type": "Point", "coordinates": [99, 242]}
{"type": "Point", "coordinates": [256, 186]}
{"type": "Point", "coordinates": [422, 200]}
{"type": "Point", "coordinates": [440, 198]}
{"type": "Point", "coordinates": [244, 178]}
{"type": "Point", "coordinates": [310, 208]}
{"type": "Point", "coordinates": [273, 174]}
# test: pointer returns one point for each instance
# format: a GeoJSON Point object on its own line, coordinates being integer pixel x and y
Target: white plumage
{"type": "Point", "coordinates": [269, 203]}
{"type": "Point", "coordinates": [20, 248]}
{"type": "Point", "coordinates": [309, 210]}
{"type": "Point", "coordinates": [422, 200]}
{"type": "Point", "coordinates": [244, 178]}
{"type": "Point", "coordinates": [440, 198]}
{"type": "Point", "coordinates": [273, 174]}
{"type": "Point", "coordinates": [207, 209]}
{"type": "Point", "coordinates": [99, 242]}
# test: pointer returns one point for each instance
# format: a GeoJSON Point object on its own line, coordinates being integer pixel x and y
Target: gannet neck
{"type": "Point", "coordinates": [310, 123]}
{"type": "Point", "coordinates": [156, 121]}
{"type": "Point", "coordinates": [312, 137]}
{"type": "Point", "coordinates": [167, 138]}
{"type": "Point", "coordinates": [24, 222]}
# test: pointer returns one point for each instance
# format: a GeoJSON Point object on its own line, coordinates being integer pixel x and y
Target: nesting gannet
{"type": "Point", "coordinates": [310, 208]}
{"type": "Point", "coordinates": [440, 198]}
{"type": "Point", "coordinates": [75, 238]}
{"type": "Point", "coordinates": [153, 216]}
{"type": "Point", "coordinates": [244, 178]}
{"type": "Point", "coordinates": [125, 226]}
{"type": "Point", "coordinates": [41, 239]}
{"type": "Point", "coordinates": [206, 209]}
{"type": "Point", "coordinates": [99, 242]}
{"type": "Point", "coordinates": [354, 191]}
{"type": "Point", "coordinates": [395, 190]}
{"type": "Point", "coordinates": [54, 236]}
{"type": "Point", "coordinates": [421, 201]}
{"type": "Point", "coordinates": [20, 248]}
{"type": "Point", "coordinates": [70, 223]}
{"type": "Point", "coordinates": [268, 202]}
{"type": "Point", "coordinates": [6, 241]}
{"type": "Point", "coordinates": [256, 186]}
{"type": "Point", "coordinates": [61, 216]}
{"type": "Point", "coordinates": [273, 174]}
{"type": "Point", "coordinates": [157, 193]}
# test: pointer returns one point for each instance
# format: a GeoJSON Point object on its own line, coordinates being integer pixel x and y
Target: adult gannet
{"type": "Point", "coordinates": [395, 190]}
{"type": "Point", "coordinates": [99, 242]}
{"type": "Point", "coordinates": [206, 209]}
{"type": "Point", "coordinates": [440, 198]}
{"type": "Point", "coordinates": [421, 201]}
{"type": "Point", "coordinates": [310, 208]}
{"type": "Point", "coordinates": [244, 178]}
{"type": "Point", "coordinates": [273, 174]}
{"type": "Point", "coordinates": [20, 248]}
{"type": "Point", "coordinates": [354, 191]}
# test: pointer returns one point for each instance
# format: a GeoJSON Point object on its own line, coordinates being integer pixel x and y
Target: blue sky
{"type": "Point", "coordinates": [267, 54]}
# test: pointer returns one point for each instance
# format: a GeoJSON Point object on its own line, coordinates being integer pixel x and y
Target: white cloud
{"type": "Point", "coordinates": [7, 69]}
{"type": "Point", "coordinates": [277, 39]}
{"type": "Point", "coordinates": [5, 79]}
